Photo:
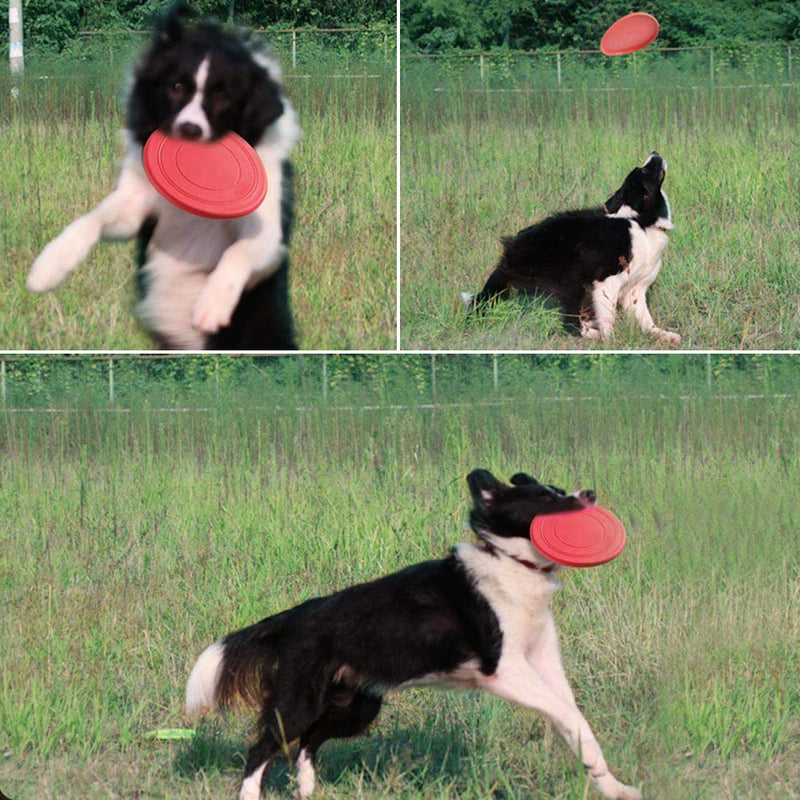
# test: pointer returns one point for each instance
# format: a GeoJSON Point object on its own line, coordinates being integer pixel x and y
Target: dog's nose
{"type": "Point", "coordinates": [188, 130]}
{"type": "Point", "coordinates": [588, 497]}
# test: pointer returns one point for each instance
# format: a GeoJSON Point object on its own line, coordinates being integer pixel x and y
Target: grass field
{"type": "Point", "coordinates": [476, 166]}
{"type": "Point", "coordinates": [61, 155]}
{"type": "Point", "coordinates": [132, 540]}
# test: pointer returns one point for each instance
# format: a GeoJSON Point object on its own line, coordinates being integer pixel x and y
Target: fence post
{"type": "Point", "coordinates": [708, 370]}
{"type": "Point", "coordinates": [480, 61]}
{"type": "Point", "coordinates": [711, 64]}
{"type": "Point", "coordinates": [324, 377]}
{"type": "Point", "coordinates": [294, 49]}
{"type": "Point", "coordinates": [495, 376]}
{"type": "Point", "coordinates": [789, 60]}
{"type": "Point", "coordinates": [433, 376]}
{"type": "Point", "coordinates": [111, 381]}
{"type": "Point", "coordinates": [558, 67]}
{"type": "Point", "coordinates": [3, 381]}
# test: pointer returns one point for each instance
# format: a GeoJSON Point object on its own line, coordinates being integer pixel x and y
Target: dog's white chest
{"type": "Point", "coordinates": [647, 247]}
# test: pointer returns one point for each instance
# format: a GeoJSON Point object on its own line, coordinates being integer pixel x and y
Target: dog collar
{"type": "Point", "coordinates": [494, 551]}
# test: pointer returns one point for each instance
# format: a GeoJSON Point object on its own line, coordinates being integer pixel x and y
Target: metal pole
{"type": "Point", "coordinates": [495, 376]}
{"type": "Point", "coordinates": [481, 67]}
{"type": "Point", "coordinates": [789, 60]}
{"type": "Point", "coordinates": [324, 377]}
{"type": "Point", "coordinates": [3, 380]}
{"type": "Point", "coordinates": [111, 381]}
{"type": "Point", "coordinates": [558, 67]}
{"type": "Point", "coordinates": [294, 49]}
{"type": "Point", "coordinates": [708, 370]}
{"type": "Point", "coordinates": [433, 375]}
{"type": "Point", "coordinates": [16, 57]}
{"type": "Point", "coordinates": [711, 64]}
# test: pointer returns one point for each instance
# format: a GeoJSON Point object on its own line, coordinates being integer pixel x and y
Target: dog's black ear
{"type": "Point", "coordinates": [170, 26]}
{"type": "Point", "coordinates": [483, 485]}
{"type": "Point", "coordinates": [617, 200]}
{"type": "Point", "coordinates": [523, 479]}
{"type": "Point", "coordinates": [263, 106]}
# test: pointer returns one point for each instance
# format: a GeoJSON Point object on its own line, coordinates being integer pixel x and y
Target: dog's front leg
{"type": "Point", "coordinates": [256, 253]}
{"type": "Point", "coordinates": [119, 216]}
{"type": "Point", "coordinates": [604, 297]}
{"type": "Point", "coordinates": [519, 682]}
{"type": "Point", "coordinates": [635, 300]}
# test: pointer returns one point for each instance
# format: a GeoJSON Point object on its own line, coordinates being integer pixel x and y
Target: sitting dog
{"type": "Point", "coordinates": [479, 619]}
{"type": "Point", "coordinates": [592, 261]}
{"type": "Point", "coordinates": [206, 284]}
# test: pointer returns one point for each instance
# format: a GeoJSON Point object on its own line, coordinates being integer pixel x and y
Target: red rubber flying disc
{"type": "Point", "coordinates": [629, 33]}
{"type": "Point", "coordinates": [584, 538]}
{"type": "Point", "coordinates": [220, 180]}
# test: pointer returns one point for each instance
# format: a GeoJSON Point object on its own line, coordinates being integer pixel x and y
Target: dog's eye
{"type": "Point", "coordinates": [177, 90]}
{"type": "Point", "coordinates": [219, 98]}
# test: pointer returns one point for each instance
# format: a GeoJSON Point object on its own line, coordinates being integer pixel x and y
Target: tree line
{"type": "Point", "coordinates": [53, 24]}
{"type": "Point", "coordinates": [430, 26]}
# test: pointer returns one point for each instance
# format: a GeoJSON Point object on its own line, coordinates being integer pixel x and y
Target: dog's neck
{"type": "Point", "coordinates": [493, 550]}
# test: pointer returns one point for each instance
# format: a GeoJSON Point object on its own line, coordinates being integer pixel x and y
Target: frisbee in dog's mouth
{"type": "Point", "coordinates": [221, 180]}
{"type": "Point", "coordinates": [585, 538]}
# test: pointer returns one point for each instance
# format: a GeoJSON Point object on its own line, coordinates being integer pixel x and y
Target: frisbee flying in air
{"type": "Point", "coordinates": [629, 33]}
{"type": "Point", "coordinates": [219, 180]}
{"type": "Point", "coordinates": [585, 538]}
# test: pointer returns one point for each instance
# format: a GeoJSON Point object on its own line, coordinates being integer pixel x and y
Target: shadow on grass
{"type": "Point", "coordinates": [412, 756]}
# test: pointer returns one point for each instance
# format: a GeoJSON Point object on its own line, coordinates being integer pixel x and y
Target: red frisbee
{"type": "Point", "coordinates": [220, 180]}
{"type": "Point", "coordinates": [629, 33]}
{"type": "Point", "coordinates": [582, 538]}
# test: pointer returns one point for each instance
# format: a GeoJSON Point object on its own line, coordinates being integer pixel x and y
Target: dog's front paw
{"type": "Point", "coordinates": [61, 256]}
{"type": "Point", "coordinates": [610, 787]}
{"type": "Point", "coordinates": [672, 339]}
{"type": "Point", "coordinates": [214, 307]}
{"type": "Point", "coordinates": [48, 271]}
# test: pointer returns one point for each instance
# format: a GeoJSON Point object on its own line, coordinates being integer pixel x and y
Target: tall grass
{"type": "Point", "coordinates": [61, 156]}
{"type": "Point", "coordinates": [478, 165]}
{"type": "Point", "coordinates": [132, 540]}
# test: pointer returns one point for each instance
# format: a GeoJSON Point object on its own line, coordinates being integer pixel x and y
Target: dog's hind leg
{"type": "Point", "coordinates": [346, 715]}
{"type": "Point", "coordinates": [495, 287]}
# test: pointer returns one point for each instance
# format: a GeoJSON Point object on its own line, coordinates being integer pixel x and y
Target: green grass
{"type": "Point", "coordinates": [478, 166]}
{"type": "Point", "coordinates": [61, 155]}
{"type": "Point", "coordinates": [132, 540]}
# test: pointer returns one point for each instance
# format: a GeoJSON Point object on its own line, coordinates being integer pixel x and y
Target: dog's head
{"type": "Point", "coordinates": [200, 81]}
{"type": "Point", "coordinates": [502, 514]}
{"type": "Point", "coordinates": [640, 196]}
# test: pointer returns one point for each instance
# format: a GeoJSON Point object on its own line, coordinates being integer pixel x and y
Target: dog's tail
{"type": "Point", "coordinates": [238, 668]}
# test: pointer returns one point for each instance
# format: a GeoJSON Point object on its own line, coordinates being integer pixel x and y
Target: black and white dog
{"type": "Point", "coordinates": [479, 619]}
{"type": "Point", "coordinates": [595, 259]}
{"type": "Point", "coordinates": [206, 284]}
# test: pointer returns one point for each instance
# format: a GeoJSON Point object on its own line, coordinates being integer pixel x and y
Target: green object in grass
{"type": "Point", "coordinates": [171, 733]}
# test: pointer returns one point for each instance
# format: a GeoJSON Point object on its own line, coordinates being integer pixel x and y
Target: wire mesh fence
{"type": "Point", "coordinates": [717, 65]}
{"type": "Point", "coordinates": [376, 382]}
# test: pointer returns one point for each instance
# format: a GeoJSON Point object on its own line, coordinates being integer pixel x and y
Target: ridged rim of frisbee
{"type": "Point", "coordinates": [171, 166]}
{"type": "Point", "coordinates": [620, 39]}
{"type": "Point", "coordinates": [585, 538]}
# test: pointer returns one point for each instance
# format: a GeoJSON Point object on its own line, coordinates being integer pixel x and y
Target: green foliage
{"type": "Point", "coordinates": [442, 25]}
{"type": "Point", "coordinates": [51, 24]}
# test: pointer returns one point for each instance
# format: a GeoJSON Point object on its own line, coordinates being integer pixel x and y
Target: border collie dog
{"type": "Point", "coordinates": [479, 619]}
{"type": "Point", "coordinates": [592, 261]}
{"type": "Point", "coordinates": [206, 284]}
